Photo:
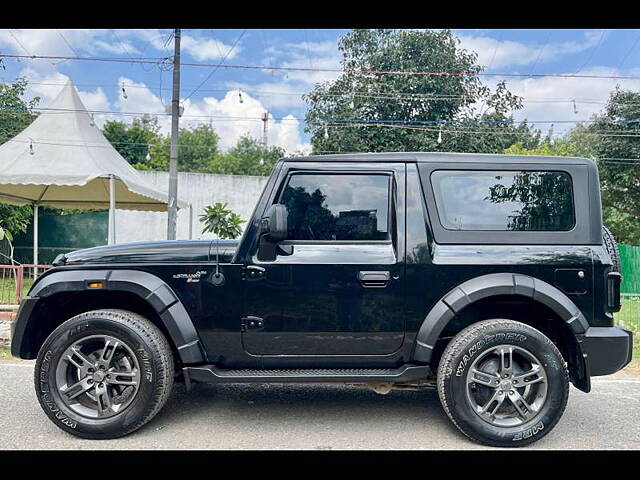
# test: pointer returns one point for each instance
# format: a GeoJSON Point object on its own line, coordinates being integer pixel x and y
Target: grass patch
{"type": "Point", "coordinates": [629, 317]}
{"type": "Point", "coordinates": [5, 353]}
{"type": "Point", "coordinates": [8, 289]}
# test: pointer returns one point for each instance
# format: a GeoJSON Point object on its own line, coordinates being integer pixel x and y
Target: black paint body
{"type": "Point", "coordinates": [315, 311]}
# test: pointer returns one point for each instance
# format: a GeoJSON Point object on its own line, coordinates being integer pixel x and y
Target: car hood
{"type": "Point", "coordinates": [152, 252]}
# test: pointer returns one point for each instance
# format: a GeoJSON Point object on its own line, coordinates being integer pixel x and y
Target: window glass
{"type": "Point", "coordinates": [337, 207]}
{"type": "Point", "coordinates": [504, 200]}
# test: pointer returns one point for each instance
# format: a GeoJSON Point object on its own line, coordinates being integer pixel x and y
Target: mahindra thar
{"type": "Point", "coordinates": [487, 277]}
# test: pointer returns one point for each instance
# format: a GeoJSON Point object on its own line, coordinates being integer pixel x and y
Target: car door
{"type": "Point", "coordinates": [336, 286]}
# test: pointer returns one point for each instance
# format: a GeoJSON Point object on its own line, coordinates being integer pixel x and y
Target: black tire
{"type": "Point", "coordinates": [480, 341]}
{"type": "Point", "coordinates": [611, 245]}
{"type": "Point", "coordinates": [154, 377]}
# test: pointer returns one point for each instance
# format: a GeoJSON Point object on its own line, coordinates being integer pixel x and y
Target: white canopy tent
{"type": "Point", "coordinates": [63, 160]}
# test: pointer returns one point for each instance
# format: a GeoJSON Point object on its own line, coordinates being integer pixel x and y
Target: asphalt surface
{"type": "Point", "coordinates": [322, 417]}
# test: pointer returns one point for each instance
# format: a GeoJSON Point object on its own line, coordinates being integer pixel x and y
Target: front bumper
{"type": "Point", "coordinates": [607, 349]}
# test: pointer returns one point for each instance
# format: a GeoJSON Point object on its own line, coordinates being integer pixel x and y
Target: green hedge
{"type": "Point", "coordinates": [630, 266]}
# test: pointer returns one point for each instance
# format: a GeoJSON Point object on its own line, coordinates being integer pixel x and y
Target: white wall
{"type": "Point", "coordinates": [200, 189]}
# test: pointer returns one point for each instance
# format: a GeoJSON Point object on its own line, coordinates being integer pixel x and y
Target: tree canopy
{"type": "Point", "coordinates": [143, 145]}
{"type": "Point", "coordinates": [613, 140]}
{"type": "Point", "coordinates": [16, 116]}
{"type": "Point", "coordinates": [366, 110]}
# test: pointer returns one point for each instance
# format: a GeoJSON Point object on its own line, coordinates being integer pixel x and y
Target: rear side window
{"type": "Point", "coordinates": [337, 206]}
{"type": "Point", "coordinates": [504, 200]}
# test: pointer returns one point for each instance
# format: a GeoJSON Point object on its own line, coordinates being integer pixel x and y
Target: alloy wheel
{"type": "Point", "coordinates": [507, 386]}
{"type": "Point", "coordinates": [98, 376]}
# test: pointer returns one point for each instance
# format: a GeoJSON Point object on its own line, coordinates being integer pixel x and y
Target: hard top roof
{"type": "Point", "coordinates": [440, 157]}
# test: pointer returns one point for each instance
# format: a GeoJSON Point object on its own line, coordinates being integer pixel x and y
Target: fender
{"type": "Point", "coordinates": [148, 287]}
{"type": "Point", "coordinates": [487, 286]}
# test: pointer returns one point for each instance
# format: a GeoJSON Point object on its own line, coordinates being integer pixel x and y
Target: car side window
{"type": "Point", "coordinates": [337, 206]}
{"type": "Point", "coordinates": [504, 200]}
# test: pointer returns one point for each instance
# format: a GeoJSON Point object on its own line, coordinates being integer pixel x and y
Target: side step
{"type": "Point", "coordinates": [214, 374]}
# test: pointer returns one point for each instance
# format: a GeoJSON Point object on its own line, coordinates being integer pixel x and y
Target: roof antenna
{"type": "Point", "coordinates": [217, 279]}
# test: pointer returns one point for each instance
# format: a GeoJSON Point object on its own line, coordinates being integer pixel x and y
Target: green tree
{"type": "Point", "coordinates": [137, 140]}
{"type": "Point", "coordinates": [221, 221]}
{"type": "Point", "coordinates": [578, 142]}
{"type": "Point", "coordinates": [620, 182]}
{"type": "Point", "coordinates": [467, 114]}
{"type": "Point", "coordinates": [616, 135]}
{"type": "Point", "coordinates": [198, 147]}
{"type": "Point", "coordinates": [16, 113]}
{"type": "Point", "coordinates": [197, 152]}
{"type": "Point", "coordinates": [245, 158]}
{"type": "Point", "coordinates": [16, 116]}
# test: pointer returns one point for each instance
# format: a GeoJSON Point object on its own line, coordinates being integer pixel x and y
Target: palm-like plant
{"type": "Point", "coordinates": [221, 221]}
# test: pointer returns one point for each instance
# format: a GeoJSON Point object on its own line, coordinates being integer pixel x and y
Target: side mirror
{"type": "Point", "coordinates": [274, 224]}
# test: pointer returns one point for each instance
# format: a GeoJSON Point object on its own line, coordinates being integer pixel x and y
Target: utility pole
{"type": "Point", "coordinates": [173, 159]}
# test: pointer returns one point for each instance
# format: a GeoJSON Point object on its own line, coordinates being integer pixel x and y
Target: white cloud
{"type": "Point", "coordinates": [287, 87]}
{"type": "Point", "coordinates": [47, 86]}
{"type": "Point", "coordinates": [118, 48]}
{"type": "Point", "coordinates": [232, 119]}
{"type": "Point", "coordinates": [62, 42]}
{"type": "Point", "coordinates": [199, 47]}
{"type": "Point", "coordinates": [275, 94]}
{"type": "Point", "coordinates": [203, 49]}
{"type": "Point", "coordinates": [316, 55]}
{"type": "Point", "coordinates": [551, 98]}
{"type": "Point", "coordinates": [495, 53]}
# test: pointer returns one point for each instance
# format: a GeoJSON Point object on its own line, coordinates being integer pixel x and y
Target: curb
{"type": "Point", "coordinates": [6, 327]}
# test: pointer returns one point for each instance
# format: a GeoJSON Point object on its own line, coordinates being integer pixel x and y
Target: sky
{"type": "Point", "coordinates": [233, 100]}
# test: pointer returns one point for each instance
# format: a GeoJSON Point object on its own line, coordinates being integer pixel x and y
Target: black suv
{"type": "Point", "coordinates": [487, 277]}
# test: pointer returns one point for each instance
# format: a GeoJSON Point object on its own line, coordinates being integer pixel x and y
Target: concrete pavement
{"type": "Point", "coordinates": [315, 417]}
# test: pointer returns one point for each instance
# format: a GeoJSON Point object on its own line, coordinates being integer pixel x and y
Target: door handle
{"type": "Point", "coordinates": [374, 279]}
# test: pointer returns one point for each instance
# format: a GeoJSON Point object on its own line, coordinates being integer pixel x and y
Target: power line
{"type": "Point", "coordinates": [593, 51]}
{"type": "Point", "coordinates": [373, 94]}
{"type": "Point", "coordinates": [49, 110]}
{"type": "Point", "coordinates": [19, 42]}
{"type": "Point", "coordinates": [155, 60]}
{"type": "Point", "coordinates": [65, 41]}
{"type": "Point", "coordinates": [216, 68]}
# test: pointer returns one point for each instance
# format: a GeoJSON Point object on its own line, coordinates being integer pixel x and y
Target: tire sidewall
{"type": "Point", "coordinates": [46, 385]}
{"type": "Point", "coordinates": [455, 385]}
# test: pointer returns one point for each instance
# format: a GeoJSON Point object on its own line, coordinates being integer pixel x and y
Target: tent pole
{"type": "Point", "coordinates": [190, 222]}
{"type": "Point", "coordinates": [112, 210]}
{"type": "Point", "coordinates": [35, 238]}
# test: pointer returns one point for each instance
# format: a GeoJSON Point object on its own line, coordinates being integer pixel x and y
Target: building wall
{"type": "Point", "coordinates": [200, 189]}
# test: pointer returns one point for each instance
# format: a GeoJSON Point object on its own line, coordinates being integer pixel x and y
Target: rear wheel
{"type": "Point", "coordinates": [503, 383]}
{"type": "Point", "coordinates": [104, 373]}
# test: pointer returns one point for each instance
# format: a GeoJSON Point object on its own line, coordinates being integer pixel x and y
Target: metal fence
{"type": "Point", "coordinates": [629, 315]}
{"type": "Point", "coordinates": [16, 280]}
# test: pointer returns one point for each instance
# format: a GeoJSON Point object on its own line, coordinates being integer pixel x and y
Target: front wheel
{"type": "Point", "coordinates": [503, 383]}
{"type": "Point", "coordinates": [104, 373]}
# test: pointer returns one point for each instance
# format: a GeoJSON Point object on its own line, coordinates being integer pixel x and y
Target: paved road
{"type": "Point", "coordinates": [315, 417]}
